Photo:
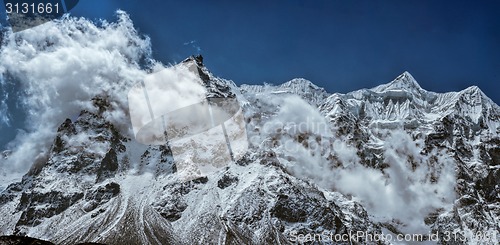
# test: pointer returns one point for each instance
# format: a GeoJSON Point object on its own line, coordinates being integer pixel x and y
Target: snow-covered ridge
{"type": "Point", "coordinates": [274, 191]}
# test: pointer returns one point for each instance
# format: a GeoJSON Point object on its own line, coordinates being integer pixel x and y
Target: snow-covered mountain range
{"type": "Point", "coordinates": [394, 159]}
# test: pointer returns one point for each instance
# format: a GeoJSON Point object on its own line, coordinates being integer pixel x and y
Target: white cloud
{"type": "Point", "coordinates": [399, 192]}
{"type": "Point", "coordinates": [4, 113]}
{"type": "Point", "coordinates": [61, 65]}
{"type": "Point", "coordinates": [5, 117]}
{"type": "Point", "coordinates": [193, 44]}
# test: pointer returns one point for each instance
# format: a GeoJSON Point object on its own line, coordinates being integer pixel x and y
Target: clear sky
{"type": "Point", "coordinates": [339, 45]}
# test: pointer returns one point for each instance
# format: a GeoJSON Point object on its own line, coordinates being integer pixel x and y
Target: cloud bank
{"type": "Point", "coordinates": [413, 184]}
{"type": "Point", "coordinates": [60, 66]}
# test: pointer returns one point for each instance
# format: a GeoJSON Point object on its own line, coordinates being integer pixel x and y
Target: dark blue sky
{"type": "Point", "coordinates": [339, 45]}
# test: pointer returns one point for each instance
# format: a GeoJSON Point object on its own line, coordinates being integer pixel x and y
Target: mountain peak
{"type": "Point", "coordinates": [300, 82]}
{"type": "Point", "coordinates": [405, 82]}
{"type": "Point", "coordinates": [475, 94]}
{"type": "Point", "coordinates": [198, 59]}
{"type": "Point", "coordinates": [472, 90]}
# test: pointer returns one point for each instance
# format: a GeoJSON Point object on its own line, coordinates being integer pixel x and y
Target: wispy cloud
{"type": "Point", "coordinates": [4, 108]}
{"type": "Point", "coordinates": [193, 44]}
{"type": "Point", "coordinates": [87, 60]}
{"type": "Point", "coordinates": [4, 115]}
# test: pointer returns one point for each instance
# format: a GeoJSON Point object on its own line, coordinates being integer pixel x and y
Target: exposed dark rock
{"type": "Point", "coordinates": [101, 103]}
{"type": "Point", "coordinates": [67, 127]}
{"type": "Point", "coordinates": [22, 240]}
{"type": "Point", "coordinates": [200, 180]}
{"type": "Point", "coordinates": [173, 204]}
{"type": "Point", "coordinates": [101, 195]}
{"type": "Point", "coordinates": [495, 155]}
{"type": "Point", "coordinates": [108, 167]}
{"type": "Point", "coordinates": [290, 209]}
{"type": "Point", "coordinates": [245, 160]}
{"type": "Point", "coordinates": [174, 212]}
{"type": "Point", "coordinates": [270, 158]}
{"type": "Point", "coordinates": [226, 181]}
{"type": "Point", "coordinates": [490, 186]}
{"type": "Point", "coordinates": [35, 206]}
{"type": "Point", "coordinates": [10, 192]}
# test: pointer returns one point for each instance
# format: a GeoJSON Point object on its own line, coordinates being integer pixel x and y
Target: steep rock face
{"type": "Point", "coordinates": [465, 124]}
{"type": "Point", "coordinates": [83, 155]}
{"type": "Point", "coordinates": [98, 185]}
